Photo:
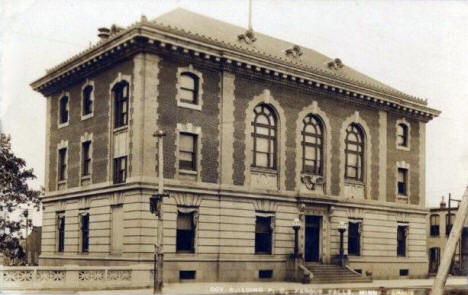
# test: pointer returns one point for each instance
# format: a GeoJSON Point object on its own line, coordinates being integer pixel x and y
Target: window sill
{"type": "Point", "coordinates": [62, 125]}
{"type": "Point", "coordinates": [188, 172]}
{"type": "Point", "coordinates": [87, 116]}
{"type": "Point", "coordinates": [263, 170]}
{"type": "Point", "coordinates": [86, 177]}
{"type": "Point", "coordinates": [403, 148]}
{"type": "Point", "coordinates": [354, 182]}
{"type": "Point", "coordinates": [185, 253]}
{"type": "Point", "coordinates": [196, 107]}
{"type": "Point", "coordinates": [120, 129]}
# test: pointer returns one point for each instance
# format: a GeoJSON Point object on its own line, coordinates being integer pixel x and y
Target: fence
{"type": "Point", "coordinates": [72, 277]}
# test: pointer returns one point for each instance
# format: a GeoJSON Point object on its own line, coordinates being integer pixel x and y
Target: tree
{"type": "Point", "coordinates": [15, 194]}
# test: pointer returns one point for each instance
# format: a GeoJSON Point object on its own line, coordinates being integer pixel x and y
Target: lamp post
{"type": "Point", "coordinates": [155, 203]}
{"type": "Point", "coordinates": [341, 229]}
{"type": "Point", "coordinates": [296, 225]}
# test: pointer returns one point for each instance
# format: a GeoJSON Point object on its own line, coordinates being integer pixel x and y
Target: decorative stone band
{"type": "Point", "coordinates": [158, 40]}
{"type": "Point", "coordinates": [75, 277]}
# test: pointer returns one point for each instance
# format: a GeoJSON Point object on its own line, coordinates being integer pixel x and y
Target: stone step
{"type": "Point", "coordinates": [329, 273]}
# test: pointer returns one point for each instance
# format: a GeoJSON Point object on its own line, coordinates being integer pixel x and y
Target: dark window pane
{"type": "Point", "coordinates": [120, 92]}
{"type": "Point", "coordinates": [354, 155]}
{"type": "Point", "coordinates": [64, 109]}
{"type": "Point", "coordinates": [401, 240]}
{"type": "Point", "coordinates": [187, 151]}
{"type": "Point", "coordinates": [87, 101]}
{"type": "Point", "coordinates": [62, 163]}
{"type": "Point", "coordinates": [354, 239]}
{"type": "Point", "coordinates": [263, 235]}
{"type": "Point", "coordinates": [120, 169]}
{"type": "Point", "coordinates": [85, 233]}
{"type": "Point", "coordinates": [185, 239]}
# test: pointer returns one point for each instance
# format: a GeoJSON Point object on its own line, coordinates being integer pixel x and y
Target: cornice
{"type": "Point", "coordinates": [146, 36]}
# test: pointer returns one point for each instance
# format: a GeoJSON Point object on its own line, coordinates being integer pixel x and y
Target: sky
{"type": "Point", "coordinates": [418, 47]}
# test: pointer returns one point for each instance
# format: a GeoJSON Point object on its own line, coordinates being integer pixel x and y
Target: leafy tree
{"type": "Point", "coordinates": [15, 194]}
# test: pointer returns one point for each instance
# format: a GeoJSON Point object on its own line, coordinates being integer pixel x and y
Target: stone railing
{"type": "Point", "coordinates": [72, 277]}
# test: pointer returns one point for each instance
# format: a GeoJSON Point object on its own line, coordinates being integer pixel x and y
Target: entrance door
{"type": "Point", "coordinates": [312, 239]}
{"type": "Point", "coordinates": [434, 259]}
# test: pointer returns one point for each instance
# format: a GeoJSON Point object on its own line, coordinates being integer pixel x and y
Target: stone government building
{"type": "Point", "coordinates": [259, 132]}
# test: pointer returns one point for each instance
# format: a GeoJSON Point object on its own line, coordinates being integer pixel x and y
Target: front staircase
{"type": "Point", "coordinates": [330, 274]}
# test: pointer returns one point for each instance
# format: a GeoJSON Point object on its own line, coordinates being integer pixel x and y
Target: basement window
{"type": "Point", "coordinates": [265, 274]}
{"type": "Point", "coordinates": [187, 275]}
{"type": "Point", "coordinates": [404, 272]}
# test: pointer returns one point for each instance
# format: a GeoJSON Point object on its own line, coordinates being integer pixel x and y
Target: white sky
{"type": "Point", "coordinates": [419, 47]}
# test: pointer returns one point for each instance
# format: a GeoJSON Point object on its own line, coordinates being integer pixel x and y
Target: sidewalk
{"type": "Point", "coordinates": [267, 287]}
{"type": "Point", "coordinates": [283, 287]}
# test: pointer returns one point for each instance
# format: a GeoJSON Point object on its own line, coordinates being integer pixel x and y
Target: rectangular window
{"type": "Point", "coordinates": [402, 232]}
{"type": "Point", "coordinates": [188, 151]}
{"type": "Point", "coordinates": [62, 164]}
{"type": "Point", "coordinates": [187, 275]}
{"type": "Point", "coordinates": [449, 219]}
{"type": "Point", "coordinates": [263, 235]}
{"type": "Point", "coordinates": [117, 229]}
{"type": "Point", "coordinates": [63, 110]}
{"type": "Point", "coordinates": [404, 272]}
{"type": "Point", "coordinates": [403, 181]}
{"type": "Point", "coordinates": [84, 227]}
{"type": "Point", "coordinates": [185, 239]}
{"type": "Point", "coordinates": [120, 169]}
{"type": "Point", "coordinates": [85, 150]}
{"type": "Point", "coordinates": [354, 238]}
{"type": "Point", "coordinates": [121, 105]}
{"type": "Point", "coordinates": [87, 100]}
{"type": "Point", "coordinates": [60, 231]}
{"type": "Point", "coordinates": [265, 274]}
{"type": "Point", "coordinates": [434, 225]}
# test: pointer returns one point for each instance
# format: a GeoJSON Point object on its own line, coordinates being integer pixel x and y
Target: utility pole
{"type": "Point", "coordinates": [455, 234]}
{"type": "Point", "coordinates": [156, 202]}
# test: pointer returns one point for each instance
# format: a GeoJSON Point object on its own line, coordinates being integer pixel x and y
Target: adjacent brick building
{"type": "Point", "coordinates": [259, 132]}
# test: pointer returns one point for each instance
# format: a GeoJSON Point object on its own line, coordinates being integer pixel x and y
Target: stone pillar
{"type": "Point", "coordinates": [227, 128]}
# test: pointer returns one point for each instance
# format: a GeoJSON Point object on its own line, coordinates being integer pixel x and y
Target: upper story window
{"type": "Point", "coordinates": [354, 152]}
{"type": "Point", "coordinates": [189, 85]}
{"type": "Point", "coordinates": [402, 181]}
{"type": "Point", "coordinates": [62, 164]}
{"type": "Point", "coordinates": [120, 93]}
{"type": "Point", "coordinates": [188, 151]}
{"type": "Point", "coordinates": [312, 145]}
{"type": "Point", "coordinates": [435, 225]}
{"type": "Point", "coordinates": [120, 169]}
{"type": "Point", "coordinates": [63, 110]}
{"type": "Point", "coordinates": [449, 219]}
{"type": "Point", "coordinates": [402, 135]}
{"type": "Point", "coordinates": [264, 137]}
{"type": "Point", "coordinates": [86, 158]}
{"type": "Point", "coordinates": [87, 104]}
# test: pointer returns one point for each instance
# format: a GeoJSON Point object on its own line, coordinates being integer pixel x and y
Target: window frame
{"type": "Point", "coordinates": [358, 223]}
{"type": "Point", "coordinates": [191, 232]}
{"type": "Point", "coordinates": [62, 174]}
{"type": "Point", "coordinates": [317, 147]}
{"type": "Point", "coordinates": [194, 91]}
{"type": "Point", "coordinates": [117, 175]}
{"type": "Point", "coordinates": [84, 232]}
{"type": "Point", "coordinates": [272, 128]}
{"type": "Point", "coordinates": [198, 88]}
{"type": "Point", "coordinates": [357, 130]}
{"type": "Point", "coordinates": [406, 127]}
{"type": "Point", "coordinates": [63, 110]}
{"type": "Point", "coordinates": [61, 230]}
{"type": "Point", "coordinates": [87, 100]}
{"type": "Point", "coordinates": [121, 100]}
{"type": "Point", "coordinates": [434, 227]}
{"type": "Point", "coordinates": [86, 159]}
{"type": "Point", "coordinates": [402, 186]}
{"type": "Point", "coordinates": [261, 237]}
{"type": "Point", "coordinates": [194, 152]}
{"type": "Point", "coordinates": [402, 251]}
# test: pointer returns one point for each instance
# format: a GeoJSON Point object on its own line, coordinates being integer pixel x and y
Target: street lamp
{"type": "Point", "coordinates": [341, 229]}
{"type": "Point", "coordinates": [296, 225]}
{"type": "Point", "coordinates": [155, 206]}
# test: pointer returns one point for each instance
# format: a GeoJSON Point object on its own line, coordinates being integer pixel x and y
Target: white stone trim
{"type": "Point", "coordinates": [226, 128]}
{"type": "Point", "coordinates": [405, 198]}
{"type": "Point", "coordinates": [357, 119]}
{"type": "Point", "coordinates": [90, 115]}
{"type": "Point", "coordinates": [199, 105]}
{"type": "Point", "coordinates": [267, 98]}
{"type": "Point", "coordinates": [110, 157]}
{"type": "Point", "coordinates": [48, 149]}
{"type": "Point", "coordinates": [408, 139]}
{"type": "Point", "coordinates": [62, 144]}
{"type": "Point", "coordinates": [64, 124]}
{"type": "Point", "coordinates": [84, 138]}
{"type": "Point", "coordinates": [382, 156]}
{"type": "Point", "coordinates": [314, 109]}
{"type": "Point", "coordinates": [196, 130]}
{"type": "Point", "coordinates": [265, 205]}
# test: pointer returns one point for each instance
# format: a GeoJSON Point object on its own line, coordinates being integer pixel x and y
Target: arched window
{"type": "Point", "coordinates": [312, 145]}
{"type": "Point", "coordinates": [189, 88]}
{"type": "Point", "coordinates": [402, 135]}
{"type": "Point", "coordinates": [354, 152]}
{"type": "Point", "coordinates": [63, 113]}
{"type": "Point", "coordinates": [264, 137]}
{"type": "Point", "coordinates": [120, 92]}
{"type": "Point", "coordinates": [87, 100]}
